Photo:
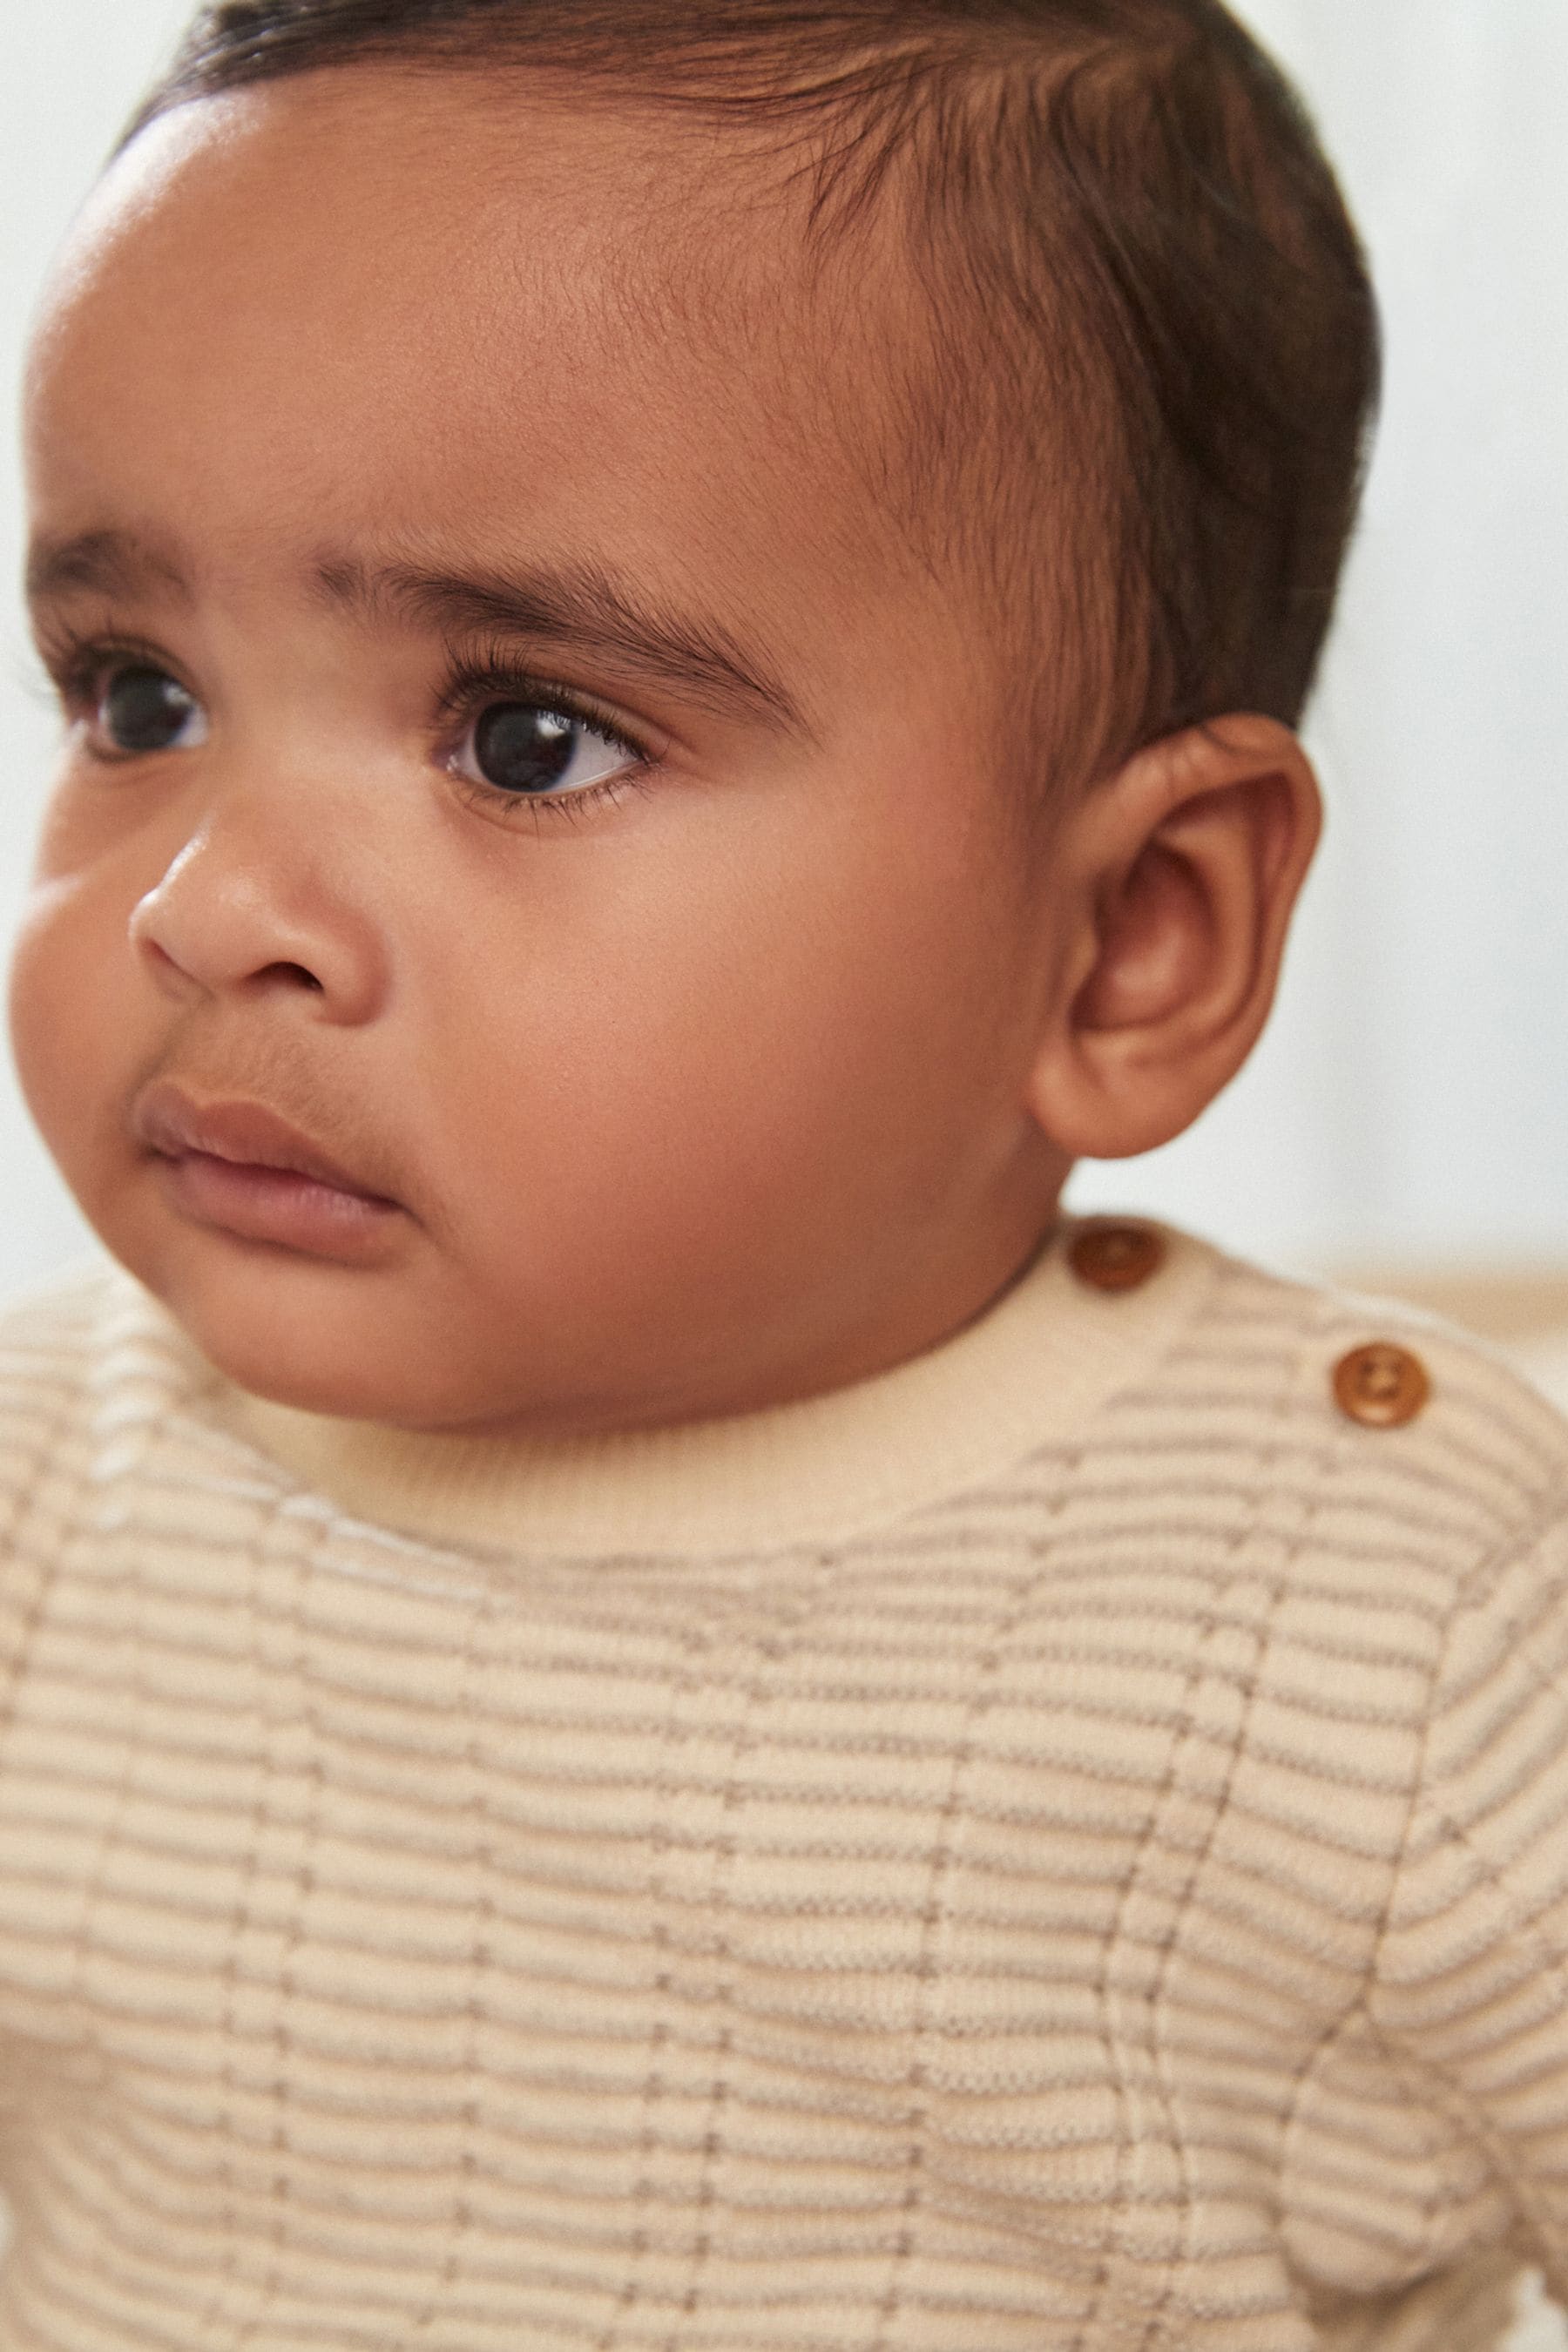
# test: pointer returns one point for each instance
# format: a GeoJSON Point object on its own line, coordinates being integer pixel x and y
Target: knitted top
{"type": "Point", "coordinates": [1062, 1846]}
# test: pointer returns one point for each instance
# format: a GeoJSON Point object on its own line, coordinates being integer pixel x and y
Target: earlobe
{"type": "Point", "coordinates": [1189, 863]}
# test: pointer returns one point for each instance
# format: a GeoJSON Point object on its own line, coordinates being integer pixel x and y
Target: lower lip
{"type": "Point", "coordinates": [274, 1204]}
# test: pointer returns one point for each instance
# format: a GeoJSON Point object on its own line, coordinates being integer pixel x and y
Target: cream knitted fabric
{"type": "Point", "coordinates": [1063, 1847]}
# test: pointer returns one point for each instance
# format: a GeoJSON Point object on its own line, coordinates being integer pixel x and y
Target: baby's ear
{"type": "Point", "coordinates": [1182, 870]}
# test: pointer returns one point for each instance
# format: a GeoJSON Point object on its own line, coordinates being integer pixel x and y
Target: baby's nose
{"type": "Point", "coordinates": [231, 915]}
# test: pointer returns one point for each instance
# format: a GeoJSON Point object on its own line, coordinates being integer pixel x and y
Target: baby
{"type": "Point", "coordinates": [648, 1707]}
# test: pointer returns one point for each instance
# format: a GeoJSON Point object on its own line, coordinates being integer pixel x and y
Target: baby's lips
{"type": "Point", "coordinates": [174, 1124]}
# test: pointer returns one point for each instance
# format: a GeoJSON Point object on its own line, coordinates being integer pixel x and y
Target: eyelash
{"type": "Point", "coordinates": [474, 683]}
{"type": "Point", "coordinates": [77, 666]}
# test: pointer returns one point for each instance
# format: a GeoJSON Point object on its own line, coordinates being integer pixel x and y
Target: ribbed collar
{"type": "Point", "coordinates": [1029, 1372]}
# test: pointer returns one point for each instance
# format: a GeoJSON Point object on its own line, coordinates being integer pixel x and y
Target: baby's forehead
{"type": "Point", "coordinates": [576, 343]}
{"type": "Point", "coordinates": [570, 265]}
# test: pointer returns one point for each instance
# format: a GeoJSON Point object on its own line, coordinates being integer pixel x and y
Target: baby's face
{"type": "Point", "coordinates": [505, 746]}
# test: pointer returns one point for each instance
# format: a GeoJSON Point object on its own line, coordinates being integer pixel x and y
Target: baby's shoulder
{"type": "Point", "coordinates": [1401, 1419]}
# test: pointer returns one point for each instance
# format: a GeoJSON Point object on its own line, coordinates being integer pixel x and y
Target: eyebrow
{"type": "Point", "coordinates": [102, 562]}
{"type": "Point", "coordinates": [579, 606]}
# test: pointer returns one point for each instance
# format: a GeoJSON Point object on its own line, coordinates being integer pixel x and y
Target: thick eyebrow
{"type": "Point", "coordinates": [102, 562]}
{"type": "Point", "coordinates": [582, 606]}
{"type": "Point", "coordinates": [578, 605]}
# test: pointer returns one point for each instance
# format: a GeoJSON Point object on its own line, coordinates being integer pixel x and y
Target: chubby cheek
{"type": "Point", "coordinates": [751, 1064]}
{"type": "Point", "coordinates": [76, 1036]}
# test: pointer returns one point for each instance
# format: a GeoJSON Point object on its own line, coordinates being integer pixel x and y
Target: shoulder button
{"type": "Point", "coordinates": [1116, 1256]}
{"type": "Point", "coordinates": [1382, 1386]}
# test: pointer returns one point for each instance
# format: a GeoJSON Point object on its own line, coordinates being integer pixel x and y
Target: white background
{"type": "Point", "coordinates": [1411, 1100]}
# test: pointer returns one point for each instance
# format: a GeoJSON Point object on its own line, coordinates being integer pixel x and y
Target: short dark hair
{"type": "Point", "coordinates": [1141, 281]}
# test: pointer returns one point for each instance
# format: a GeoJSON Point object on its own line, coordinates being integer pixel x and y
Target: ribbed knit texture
{"type": "Point", "coordinates": [1116, 1902]}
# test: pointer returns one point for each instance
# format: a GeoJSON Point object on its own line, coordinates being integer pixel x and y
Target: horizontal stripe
{"type": "Point", "coordinates": [1118, 1901]}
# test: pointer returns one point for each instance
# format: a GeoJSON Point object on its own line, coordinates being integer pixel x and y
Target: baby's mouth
{"type": "Point", "coordinates": [240, 1168]}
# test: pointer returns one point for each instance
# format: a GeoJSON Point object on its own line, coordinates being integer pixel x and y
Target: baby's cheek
{"type": "Point", "coordinates": [48, 984]}
{"type": "Point", "coordinates": [76, 1015]}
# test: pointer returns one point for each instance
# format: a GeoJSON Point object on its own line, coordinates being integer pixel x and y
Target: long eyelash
{"type": "Point", "coordinates": [63, 654]}
{"type": "Point", "coordinates": [75, 660]}
{"type": "Point", "coordinates": [75, 663]}
{"type": "Point", "coordinates": [495, 676]}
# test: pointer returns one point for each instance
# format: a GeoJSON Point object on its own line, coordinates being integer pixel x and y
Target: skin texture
{"type": "Point", "coordinates": [754, 1078]}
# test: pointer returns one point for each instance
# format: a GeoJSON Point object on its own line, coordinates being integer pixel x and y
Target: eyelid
{"type": "Point", "coordinates": [78, 663]}
{"type": "Point", "coordinates": [497, 673]}
{"type": "Point", "coordinates": [472, 686]}
{"type": "Point", "coordinates": [74, 657]}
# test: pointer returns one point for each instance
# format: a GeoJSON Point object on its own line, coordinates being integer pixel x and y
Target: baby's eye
{"type": "Point", "coordinates": [527, 749]}
{"type": "Point", "coordinates": [136, 709]}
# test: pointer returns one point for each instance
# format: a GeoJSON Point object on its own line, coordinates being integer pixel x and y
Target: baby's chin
{"type": "Point", "coordinates": [346, 1342]}
{"type": "Point", "coordinates": [382, 1346]}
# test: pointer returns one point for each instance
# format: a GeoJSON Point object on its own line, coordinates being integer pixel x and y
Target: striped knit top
{"type": "Point", "coordinates": [1060, 1848]}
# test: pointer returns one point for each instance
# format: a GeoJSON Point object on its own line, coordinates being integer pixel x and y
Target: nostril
{"type": "Point", "coordinates": [296, 974]}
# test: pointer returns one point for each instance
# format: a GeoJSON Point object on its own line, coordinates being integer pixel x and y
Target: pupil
{"type": "Point", "coordinates": [521, 748]}
{"type": "Point", "coordinates": [145, 710]}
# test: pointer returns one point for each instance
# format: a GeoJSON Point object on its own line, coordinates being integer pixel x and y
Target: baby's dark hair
{"type": "Point", "coordinates": [1151, 350]}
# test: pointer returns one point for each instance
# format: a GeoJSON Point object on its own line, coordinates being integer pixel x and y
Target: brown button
{"type": "Point", "coordinates": [1116, 1257]}
{"type": "Point", "coordinates": [1382, 1386]}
